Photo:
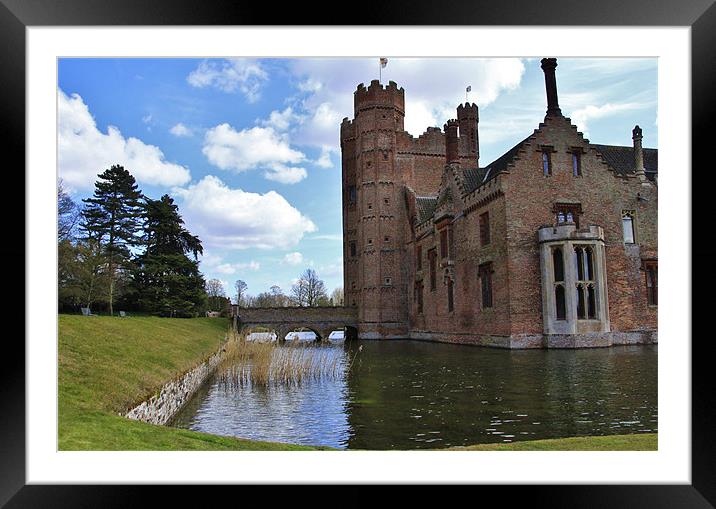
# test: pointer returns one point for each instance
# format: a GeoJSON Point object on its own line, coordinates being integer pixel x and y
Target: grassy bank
{"type": "Point", "coordinates": [641, 442]}
{"type": "Point", "coordinates": [109, 364]}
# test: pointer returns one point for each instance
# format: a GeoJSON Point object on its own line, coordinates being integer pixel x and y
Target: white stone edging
{"type": "Point", "coordinates": [161, 408]}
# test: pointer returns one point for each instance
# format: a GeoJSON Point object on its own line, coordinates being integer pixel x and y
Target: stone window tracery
{"type": "Point", "coordinates": [628, 226]}
{"type": "Point", "coordinates": [559, 292]}
{"type": "Point", "coordinates": [574, 286]}
{"type": "Point", "coordinates": [586, 297]}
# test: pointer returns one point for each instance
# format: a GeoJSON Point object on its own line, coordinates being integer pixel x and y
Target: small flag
{"type": "Point", "coordinates": [469, 88]}
{"type": "Point", "coordinates": [383, 62]}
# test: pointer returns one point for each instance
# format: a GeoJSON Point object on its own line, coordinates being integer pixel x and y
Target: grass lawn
{"type": "Point", "coordinates": [110, 364]}
{"type": "Point", "coordinates": [640, 442]}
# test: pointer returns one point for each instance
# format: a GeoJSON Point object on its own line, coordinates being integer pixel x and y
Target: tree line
{"type": "Point", "coordinates": [308, 291]}
{"type": "Point", "coordinates": [121, 250]}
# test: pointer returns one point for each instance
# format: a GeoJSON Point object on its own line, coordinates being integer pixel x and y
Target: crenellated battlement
{"type": "Point", "coordinates": [348, 129]}
{"type": "Point", "coordinates": [377, 95]}
{"type": "Point", "coordinates": [467, 110]}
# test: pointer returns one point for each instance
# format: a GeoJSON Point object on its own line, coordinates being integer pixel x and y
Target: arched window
{"type": "Point", "coordinates": [628, 226]}
{"type": "Point", "coordinates": [586, 296]}
{"type": "Point", "coordinates": [560, 302]}
{"type": "Point", "coordinates": [558, 262]}
{"type": "Point", "coordinates": [546, 163]}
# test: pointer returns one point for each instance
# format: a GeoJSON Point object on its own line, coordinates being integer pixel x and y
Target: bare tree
{"type": "Point", "coordinates": [337, 296]}
{"type": "Point", "coordinates": [241, 288]}
{"type": "Point", "coordinates": [68, 214]}
{"type": "Point", "coordinates": [309, 290]}
{"type": "Point", "coordinates": [278, 297]}
{"type": "Point", "coordinates": [215, 288]}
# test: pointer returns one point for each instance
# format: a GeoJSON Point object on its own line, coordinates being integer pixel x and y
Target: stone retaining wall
{"type": "Point", "coordinates": [525, 341]}
{"type": "Point", "coordinates": [160, 409]}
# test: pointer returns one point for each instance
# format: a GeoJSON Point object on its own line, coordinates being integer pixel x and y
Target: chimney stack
{"type": "Point", "coordinates": [636, 136]}
{"type": "Point", "coordinates": [550, 81]}
{"type": "Point", "coordinates": [452, 155]}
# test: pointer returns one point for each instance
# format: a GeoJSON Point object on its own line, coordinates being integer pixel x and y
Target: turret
{"type": "Point", "coordinates": [376, 95]}
{"type": "Point", "coordinates": [452, 148]}
{"type": "Point", "coordinates": [468, 117]}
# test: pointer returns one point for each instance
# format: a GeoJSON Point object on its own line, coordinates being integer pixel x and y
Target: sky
{"type": "Point", "coordinates": [250, 150]}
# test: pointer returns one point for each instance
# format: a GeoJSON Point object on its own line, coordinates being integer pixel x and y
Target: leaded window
{"type": "Point", "coordinates": [586, 296]}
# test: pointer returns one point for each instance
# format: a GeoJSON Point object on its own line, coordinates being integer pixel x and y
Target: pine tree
{"type": "Point", "coordinates": [166, 280]}
{"type": "Point", "coordinates": [112, 217]}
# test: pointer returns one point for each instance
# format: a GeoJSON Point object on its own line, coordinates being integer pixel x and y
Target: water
{"type": "Point", "coordinates": [416, 395]}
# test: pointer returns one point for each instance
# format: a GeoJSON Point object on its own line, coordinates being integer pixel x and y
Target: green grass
{"type": "Point", "coordinates": [640, 442]}
{"type": "Point", "coordinates": [108, 365]}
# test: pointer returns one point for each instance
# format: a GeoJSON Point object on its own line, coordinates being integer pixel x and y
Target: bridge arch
{"type": "Point", "coordinates": [321, 320]}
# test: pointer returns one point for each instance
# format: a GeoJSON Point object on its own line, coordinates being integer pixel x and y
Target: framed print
{"type": "Point", "coordinates": [420, 248]}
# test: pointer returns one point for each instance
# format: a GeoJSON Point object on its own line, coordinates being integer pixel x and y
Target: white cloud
{"type": "Point", "coordinates": [280, 120]}
{"type": "Point", "coordinates": [233, 268]}
{"type": "Point", "coordinates": [335, 237]}
{"type": "Point", "coordinates": [180, 131]}
{"type": "Point", "coordinates": [294, 258]}
{"type": "Point", "coordinates": [582, 116]}
{"type": "Point", "coordinates": [310, 85]}
{"type": "Point", "coordinates": [216, 264]}
{"type": "Point", "coordinates": [331, 270]}
{"type": "Point", "coordinates": [85, 151]}
{"type": "Point", "coordinates": [236, 219]}
{"type": "Point", "coordinates": [324, 160]}
{"type": "Point", "coordinates": [247, 149]}
{"type": "Point", "coordinates": [285, 174]}
{"type": "Point", "coordinates": [329, 84]}
{"type": "Point", "coordinates": [243, 74]}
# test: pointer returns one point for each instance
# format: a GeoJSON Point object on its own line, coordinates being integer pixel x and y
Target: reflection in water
{"type": "Point", "coordinates": [411, 395]}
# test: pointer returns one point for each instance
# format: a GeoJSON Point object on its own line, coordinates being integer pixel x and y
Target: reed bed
{"type": "Point", "coordinates": [271, 363]}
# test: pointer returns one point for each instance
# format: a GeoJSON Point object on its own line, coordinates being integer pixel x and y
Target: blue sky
{"type": "Point", "coordinates": [249, 148]}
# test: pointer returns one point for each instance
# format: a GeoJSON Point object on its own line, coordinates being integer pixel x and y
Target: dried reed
{"type": "Point", "coordinates": [264, 363]}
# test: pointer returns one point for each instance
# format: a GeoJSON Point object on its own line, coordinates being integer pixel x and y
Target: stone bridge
{"type": "Point", "coordinates": [321, 320]}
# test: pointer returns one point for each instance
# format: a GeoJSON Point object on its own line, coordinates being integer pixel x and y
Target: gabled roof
{"type": "Point", "coordinates": [622, 159]}
{"type": "Point", "coordinates": [475, 177]}
{"type": "Point", "coordinates": [425, 206]}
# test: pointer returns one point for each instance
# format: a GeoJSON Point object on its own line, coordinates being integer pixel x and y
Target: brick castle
{"type": "Point", "coordinates": [553, 244]}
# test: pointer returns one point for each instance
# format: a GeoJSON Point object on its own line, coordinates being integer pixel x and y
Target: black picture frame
{"type": "Point", "coordinates": [700, 15]}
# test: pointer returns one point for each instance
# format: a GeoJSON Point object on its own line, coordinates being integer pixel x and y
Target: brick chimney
{"type": "Point", "coordinates": [550, 81]}
{"type": "Point", "coordinates": [452, 154]}
{"type": "Point", "coordinates": [636, 136]}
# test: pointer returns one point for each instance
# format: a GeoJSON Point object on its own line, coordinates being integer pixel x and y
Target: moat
{"type": "Point", "coordinates": [418, 395]}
